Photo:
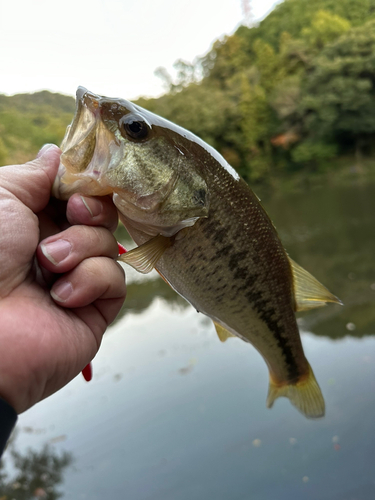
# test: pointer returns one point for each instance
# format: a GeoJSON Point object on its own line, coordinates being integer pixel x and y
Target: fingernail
{"type": "Point", "coordinates": [56, 251]}
{"type": "Point", "coordinates": [62, 291]}
{"type": "Point", "coordinates": [95, 207]}
{"type": "Point", "coordinates": [44, 149]}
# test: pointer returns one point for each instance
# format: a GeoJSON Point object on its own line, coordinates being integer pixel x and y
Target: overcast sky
{"type": "Point", "coordinates": [111, 47]}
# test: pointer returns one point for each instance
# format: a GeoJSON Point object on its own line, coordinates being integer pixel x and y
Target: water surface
{"type": "Point", "coordinates": [172, 413]}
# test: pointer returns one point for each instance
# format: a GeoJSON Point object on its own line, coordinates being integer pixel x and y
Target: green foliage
{"type": "Point", "coordinates": [27, 121]}
{"type": "Point", "coordinates": [295, 15]}
{"type": "Point", "coordinates": [314, 154]}
{"type": "Point", "coordinates": [226, 58]}
{"type": "Point", "coordinates": [284, 96]}
{"type": "Point", "coordinates": [255, 127]}
{"type": "Point", "coordinates": [203, 110]}
{"type": "Point", "coordinates": [3, 152]}
{"type": "Point", "coordinates": [35, 474]}
{"type": "Point", "coordinates": [325, 28]}
{"type": "Point", "coordinates": [339, 94]}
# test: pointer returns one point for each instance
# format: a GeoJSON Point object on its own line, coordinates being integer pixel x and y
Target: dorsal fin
{"type": "Point", "coordinates": [222, 332]}
{"type": "Point", "coordinates": [145, 257]}
{"type": "Point", "coordinates": [308, 292]}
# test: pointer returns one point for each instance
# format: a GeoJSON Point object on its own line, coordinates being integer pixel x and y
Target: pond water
{"type": "Point", "coordinates": [174, 414]}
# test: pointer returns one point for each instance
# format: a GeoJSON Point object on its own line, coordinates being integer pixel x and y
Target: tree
{"type": "Point", "coordinates": [325, 28]}
{"type": "Point", "coordinates": [226, 58]}
{"type": "Point", "coordinates": [255, 127]}
{"type": "Point", "coordinates": [35, 474]}
{"type": "Point", "coordinates": [339, 93]}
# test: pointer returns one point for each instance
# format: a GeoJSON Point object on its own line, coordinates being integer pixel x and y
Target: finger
{"type": "Point", "coordinates": [31, 183]}
{"type": "Point", "coordinates": [90, 211]}
{"type": "Point", "coordinates": [64, 251]}
{"type": "Point", "coordinates": [99, 315]}
{"type": "Point", "coordinates": [96, 278]}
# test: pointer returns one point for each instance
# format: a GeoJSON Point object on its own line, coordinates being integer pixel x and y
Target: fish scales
{"type": "Point", "coordinates": [253, 270]}
{"type": "Point", "coordinates": [201, 227]}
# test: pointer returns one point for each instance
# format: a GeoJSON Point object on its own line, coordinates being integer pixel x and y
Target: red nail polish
{"type": "Point", "coordinates": [87, 372]}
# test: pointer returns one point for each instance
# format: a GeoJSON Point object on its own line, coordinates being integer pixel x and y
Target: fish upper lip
{"type": "Point", "coordinates": [90, 101]}
{"type": "Point", "coordinates": [86, 98]}
{"type": "Point", "coordinates": [81, 91]}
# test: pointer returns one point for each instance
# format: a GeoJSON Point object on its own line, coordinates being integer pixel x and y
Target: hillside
{"type": "Point", "coordinates": [27, 121]}
{"type": "Point", "coordinates": [285, 98]}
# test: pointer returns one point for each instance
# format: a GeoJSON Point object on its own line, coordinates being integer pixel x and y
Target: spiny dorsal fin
{"type": "Point", "coordinates": [305, 395]}
{"type": "Point", "coordinates": [308, 292]}
{"type": "Point", "coordinates": [222, 332]}
{"type": "Point", "coordinates": [145, 257]}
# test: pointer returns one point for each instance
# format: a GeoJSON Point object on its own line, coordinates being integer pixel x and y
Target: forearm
{"type": "Point", "coordinates": [8, 418]}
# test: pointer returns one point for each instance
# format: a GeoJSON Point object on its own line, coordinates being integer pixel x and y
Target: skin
{"type": "Point", "coordinates": [46, 337]}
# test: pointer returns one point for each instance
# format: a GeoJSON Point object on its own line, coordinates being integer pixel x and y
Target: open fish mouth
{"type": "Point", "coordinates": [87, 149]}
{"type": "Point", "coordinates": [79, 142]}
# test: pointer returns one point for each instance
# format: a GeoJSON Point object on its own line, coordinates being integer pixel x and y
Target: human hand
{"type": "Point", "coordinates": [60, 286]}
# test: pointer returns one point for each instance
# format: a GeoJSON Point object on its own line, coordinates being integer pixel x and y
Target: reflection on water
{"type": "Point", "coordinates": [330, 232]}
{"type": "Point", "coordinates": [32, 474]}
{"type": "Point", "coordinates": [140, 295]}
{"type": "Point", "coordinates": [172, 413]}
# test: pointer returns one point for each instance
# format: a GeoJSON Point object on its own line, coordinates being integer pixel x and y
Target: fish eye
{"type": "Point", "coordinates": [135, 126]}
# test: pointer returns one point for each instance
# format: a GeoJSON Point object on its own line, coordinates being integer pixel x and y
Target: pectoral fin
{"type": "Point", "coordinates": [145, 257]}
{"type": "Point", "coordinates": [308, 292]}
{"type": "Point", "coordinates": [222, 332]}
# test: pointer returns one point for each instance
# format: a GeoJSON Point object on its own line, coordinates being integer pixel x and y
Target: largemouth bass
{"type": "Point", "coordinates": [203, 229]}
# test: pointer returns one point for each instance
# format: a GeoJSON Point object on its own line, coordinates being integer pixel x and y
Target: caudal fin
{"type": "Point", "coordinates": [305, 395]}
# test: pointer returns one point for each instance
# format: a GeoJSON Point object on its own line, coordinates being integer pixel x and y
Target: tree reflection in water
{"type": "Point", "coordinates": [35, 474]}
{"type": "Point", "coordinates": [327, 231]}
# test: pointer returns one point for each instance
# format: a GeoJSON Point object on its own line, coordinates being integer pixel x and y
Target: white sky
{"type": "Point", "coordinates": [112, 47]}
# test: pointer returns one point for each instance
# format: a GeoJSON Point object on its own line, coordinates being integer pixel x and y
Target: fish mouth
{"type": "Point", "coordinates": [89, 150]}
{"type": "Point", "coordinates": [79, 142]}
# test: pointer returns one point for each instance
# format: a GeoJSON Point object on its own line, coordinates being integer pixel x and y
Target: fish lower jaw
{"type": "Point", "coordinates": [68, 184]}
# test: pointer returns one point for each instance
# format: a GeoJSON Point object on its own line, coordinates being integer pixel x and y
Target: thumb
{"type": "Point", "coordinates": [31, 183]}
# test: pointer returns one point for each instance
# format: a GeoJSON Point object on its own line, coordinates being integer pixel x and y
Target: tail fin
{"type": "Point", "coordinates": [305, 395]}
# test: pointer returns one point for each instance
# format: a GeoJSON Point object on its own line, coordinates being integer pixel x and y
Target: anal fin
{"type": "Point", "coordinates": [222, 332]}
{"type": "Point", "coordinates": [145, 257]}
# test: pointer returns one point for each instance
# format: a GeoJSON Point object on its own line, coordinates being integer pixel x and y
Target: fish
{"type": "Point", "coordinates": [199, 224]}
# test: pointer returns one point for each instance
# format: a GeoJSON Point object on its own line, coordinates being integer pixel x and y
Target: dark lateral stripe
{"type": "Point", "coordinates": [244, 281]}
{"type": "Point", "coordinates": [263, 307]}
{"type": "Point", "coordinates": [267, 313]}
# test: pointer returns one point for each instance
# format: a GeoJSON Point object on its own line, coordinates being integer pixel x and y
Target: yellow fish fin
{"type": "Point", "coordinates": [308, 292]}
{"type": "Point", "coordinates": [145, 257]}
{"type": "Point", "coordinates": [305, 395]}
{"type": "Point", "coordinates": [222, 332]}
